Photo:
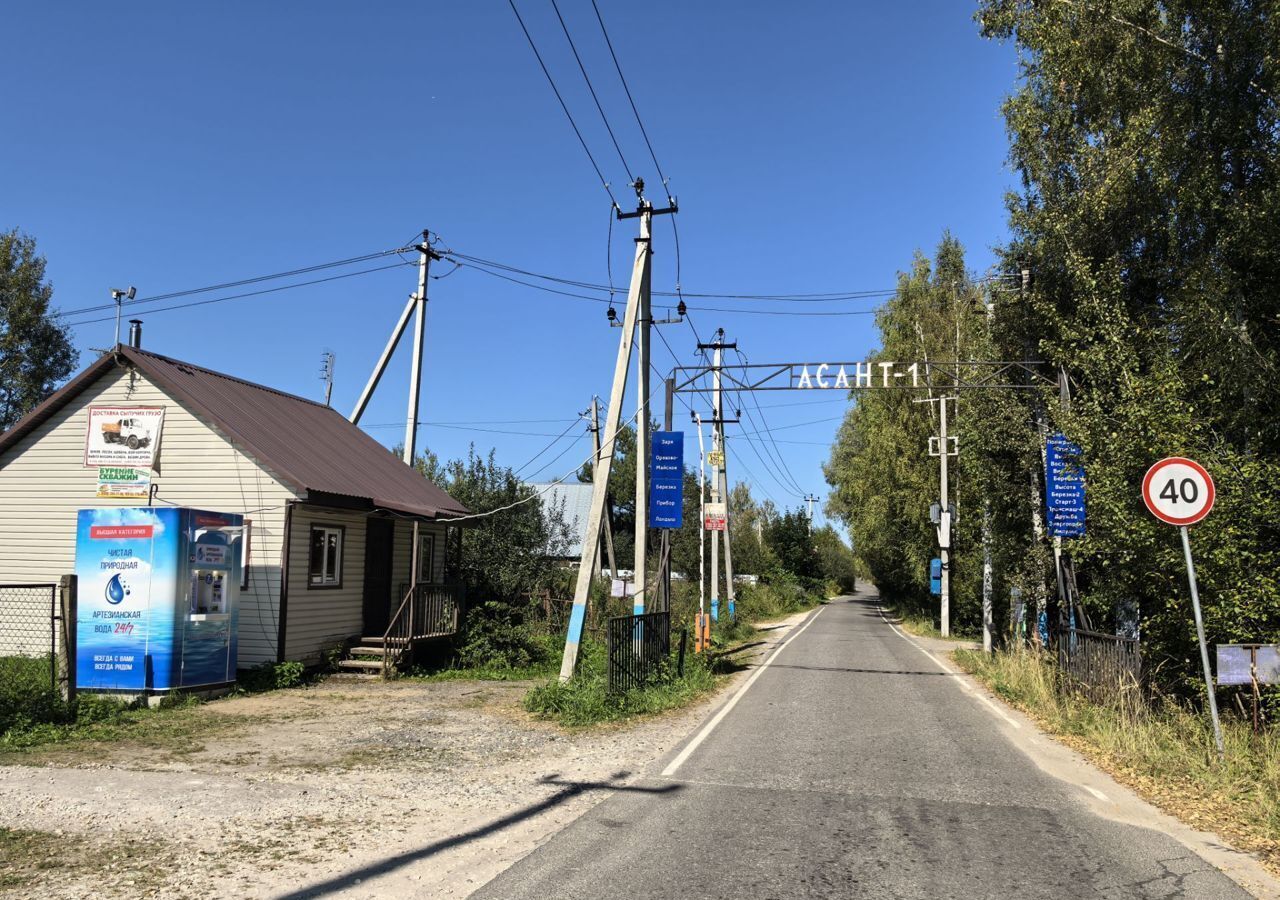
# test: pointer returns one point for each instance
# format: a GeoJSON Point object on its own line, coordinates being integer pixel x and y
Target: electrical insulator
{"type": "Point", "coordinates": [681, 309]}
{"type": "Point", "coordinates": [612, 314]}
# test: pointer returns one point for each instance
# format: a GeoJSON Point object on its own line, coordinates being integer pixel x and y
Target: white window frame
{"type": "Point", "coordinates": [324, 580]}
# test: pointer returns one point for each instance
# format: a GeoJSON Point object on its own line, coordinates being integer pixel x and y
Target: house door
{"type": "Point", "coordinates": [377, 575]}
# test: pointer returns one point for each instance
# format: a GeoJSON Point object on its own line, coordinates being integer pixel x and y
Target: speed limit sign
{"type": "Point", "coordinates": [1178, 491]}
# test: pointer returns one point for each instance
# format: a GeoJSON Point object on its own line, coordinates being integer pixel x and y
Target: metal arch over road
{"type": "Point", "coordinates": [800, 376]}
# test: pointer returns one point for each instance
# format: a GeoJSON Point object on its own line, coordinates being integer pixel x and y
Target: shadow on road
{"type": "Point", "coordinates": [569, 790]}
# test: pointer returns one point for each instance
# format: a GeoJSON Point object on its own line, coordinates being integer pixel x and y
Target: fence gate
{"type": "Point", "coordinates": [1105, 667]}
{"type": "Point", "coordinates": [638, 649]}
{"type": "Point", "coordinates": [29, 624]}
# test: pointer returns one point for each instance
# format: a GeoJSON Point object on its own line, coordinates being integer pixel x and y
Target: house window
{"type": "Point", "coordinates": [326, 555]}
{"type": "Point", "coordinates": [426, 558]}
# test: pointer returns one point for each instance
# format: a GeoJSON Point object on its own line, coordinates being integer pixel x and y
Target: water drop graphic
{"type": "Point", "coordinates": [115, 590]}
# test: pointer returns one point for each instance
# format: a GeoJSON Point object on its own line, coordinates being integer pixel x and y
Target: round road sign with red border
{"type": "Point", "coordinates": [1178, 491]}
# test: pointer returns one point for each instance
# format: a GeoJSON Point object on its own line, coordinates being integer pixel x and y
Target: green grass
{"type": "Point", "coordinates": [923, 624]}
{"type": "Point", "coordinates": [543, 651]}
{"type": "Point", "coordinates": [1165, 751]}
{"type": "Point", "coordinates": [27, 694]}
{"type": "Point", "coordinates": [30, 859]}
{"type": "Point", "coordinates": [586, 701]}
{"type": "Point", "coordinates": [176, 726]}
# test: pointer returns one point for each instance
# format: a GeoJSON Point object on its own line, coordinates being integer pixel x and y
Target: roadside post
{"type": "Point", "coordinates": [1180, 492]}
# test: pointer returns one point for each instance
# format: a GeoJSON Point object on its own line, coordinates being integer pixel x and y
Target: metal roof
{"type": "Point", "coordinates": [576, 498]}
{"type": "Point", "coordinates": [309, 446]}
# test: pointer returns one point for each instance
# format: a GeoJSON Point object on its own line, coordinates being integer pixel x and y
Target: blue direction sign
{"type": "Point", "coordinates": [666, 480]}
{"type": "Point", "coordinates": [1064, 487]}
{"type": "Point", "coordinates": [935, 576]}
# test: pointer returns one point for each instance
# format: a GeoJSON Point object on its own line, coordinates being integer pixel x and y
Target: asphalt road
{"type": "Point", "coordinates": [854, 767]}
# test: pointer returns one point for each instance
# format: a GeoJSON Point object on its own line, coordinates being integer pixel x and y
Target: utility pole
{"type": "Point", "coordinates": [664, 551]}
{"type": "Point", "coordinates": [417, 304]}
{"type": "Point", "coordinates": [606, 523]}
{"type": "Point", "coordinates": [943, 450]}
{"type": "Point", "coordinates": [810, 499]}
{"type": "Point", "coordinates": [415, 373]}
{"type": "Point", "coordinates": [719, 481]}
{"type": "Point", "coordinates": [702, 536]}
{"type": "Point", "coordinates": [637, 301]}
{"type": "Point", "coordinates": [644, 439]}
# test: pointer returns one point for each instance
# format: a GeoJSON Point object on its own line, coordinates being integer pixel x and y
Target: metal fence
{"type": "Point", "coordinates": [639, 647]}
{"type": "Point", "coordinates": [1106, 668]}
{"type": "Point", "coordinates": [29, 627]}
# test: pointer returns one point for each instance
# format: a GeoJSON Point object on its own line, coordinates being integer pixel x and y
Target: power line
{"type": "Point", "coordinates": [283, 287]}
{"type": "Point", "coordinates": [630, 99]}
{"type": "Point", "coordinates": [590, 87]}
{"type": "Point", "coordinates": [546, 448]}
{"type": "Point", "coordinates": [777, 451]}
{"type": "Point", "coordinates": [233, 284]}
{"type": "Point", "coordinates": [551, 81]}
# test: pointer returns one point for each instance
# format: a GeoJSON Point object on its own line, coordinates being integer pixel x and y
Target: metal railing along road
{"type": "Point", "coordinates": [639, 647]}
{"type": "Point", "coordinates": [1104, 667]}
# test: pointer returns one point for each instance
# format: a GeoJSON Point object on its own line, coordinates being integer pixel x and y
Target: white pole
{"type": "Point", "coordinates": [415, 373]}
{"type": "Point", "coordinates": [600, 475]}
{"type": "Point", "coordinates": [643, 438]}
{"type": "Point", "coordinates": [944, 548]}
{"type": "Point", "coordinates": [702, 531]}
{"type": "Point", "coordinates": [1204, 648]}
{"type": "Point", "coordinates": [716, 416]}
{"type": "Point", "coordinates": [381, 367]}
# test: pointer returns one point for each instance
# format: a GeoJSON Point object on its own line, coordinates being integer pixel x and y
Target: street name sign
{"type": "Point", "coordinates": [1064, 487]}
{"type": "Point", "coordinates": [666, 482]}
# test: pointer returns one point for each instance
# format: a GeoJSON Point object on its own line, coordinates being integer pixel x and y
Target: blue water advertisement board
{"type": "Point", "coordinates": [666, 480]}
{"type": "Point", "coordinates": [1064, 487]}
{"type": "Point", "coordinates": [158, 598]}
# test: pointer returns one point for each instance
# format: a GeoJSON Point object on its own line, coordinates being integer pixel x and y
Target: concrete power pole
{"type": "Point", "coordinates": [644, 438]}
{"type": "Point", "coordinates": [415, 373]}
{"type": "Point", "coordinates": [606, 523]}
{"type": "Point", "coordinates": [637, 310]}
{"type": "Point", "coordinates": [719, 479]}
{"type": "Point", "coordinates": [945, 523]}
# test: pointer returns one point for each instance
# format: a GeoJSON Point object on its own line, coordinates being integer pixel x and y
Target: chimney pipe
{"type": "Point", "coordinates": [135, 333]}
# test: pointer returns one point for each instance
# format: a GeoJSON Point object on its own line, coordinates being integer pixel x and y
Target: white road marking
{"type": "Point", "coordinates": [733, 701]}
{"type": "Point", "coordinates": [1097, 793]}
{"type": "Point", "coordinates": [946, 668]}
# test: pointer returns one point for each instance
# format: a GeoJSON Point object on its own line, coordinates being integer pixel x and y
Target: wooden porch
{"type": "Point", "coordinates": [428, 612]}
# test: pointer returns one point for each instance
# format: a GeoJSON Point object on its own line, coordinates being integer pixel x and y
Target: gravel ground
{"type": "Point", "coordinates": [345, 789]}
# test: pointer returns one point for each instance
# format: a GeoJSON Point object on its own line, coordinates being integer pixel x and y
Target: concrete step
{"type": "Point", "coordinates": [372, 665]}
{"type": "Point", "coordinates": [366, 650]}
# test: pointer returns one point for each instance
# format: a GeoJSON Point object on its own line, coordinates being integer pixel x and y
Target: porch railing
{"type": "Point", "coordinates": [1104, 667]}
{"type": "Point", "coordinates": [427, 611]}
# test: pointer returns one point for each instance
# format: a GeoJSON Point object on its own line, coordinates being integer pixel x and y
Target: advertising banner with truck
{"type": "Point", "coordinates": [123, 436]}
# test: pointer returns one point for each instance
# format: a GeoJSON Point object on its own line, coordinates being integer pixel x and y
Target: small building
{"type": "Point", "coordinates": [573, 500]}
{"type": "Point", "coordinates": [330, 513]}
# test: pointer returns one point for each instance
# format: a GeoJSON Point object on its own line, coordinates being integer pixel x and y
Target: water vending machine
{"type": "Point", "coordinates": [158, 598]}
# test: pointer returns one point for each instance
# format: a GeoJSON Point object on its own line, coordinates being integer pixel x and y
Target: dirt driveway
{"type": "Point", "coordinates": [346, 789]}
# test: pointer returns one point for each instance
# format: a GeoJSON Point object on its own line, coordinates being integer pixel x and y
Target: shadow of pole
{"type": "Point", "coordinates": [569, 790]}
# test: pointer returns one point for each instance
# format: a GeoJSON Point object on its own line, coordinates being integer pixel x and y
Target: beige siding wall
{"type": "Point", "coordinates": [321, 618]}
{"type": "Point", "coordinates": [43, 482]}
{"type": "Point", "coordinates": [402, 556]}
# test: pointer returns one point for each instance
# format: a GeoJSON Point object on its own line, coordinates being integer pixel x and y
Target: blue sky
{"type": "Point", "coordinates": [813, 146]}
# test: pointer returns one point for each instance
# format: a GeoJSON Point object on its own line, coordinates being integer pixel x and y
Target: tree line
{"type": "Point", "coordinates": [1147, 224]}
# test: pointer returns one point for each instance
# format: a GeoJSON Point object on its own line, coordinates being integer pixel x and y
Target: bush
{"type": "Point", "coordinates": [27, 695]}
{"type": "Point", "coordinates": [269, 676]}
{"type": "Point", "coordinates": [586, 700]}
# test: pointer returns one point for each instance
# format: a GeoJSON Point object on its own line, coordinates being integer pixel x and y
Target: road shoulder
{"type": "Point", "coordinates": [1097, 790]}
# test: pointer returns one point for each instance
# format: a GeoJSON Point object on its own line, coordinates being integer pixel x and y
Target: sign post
{"type": "Point", "coordinates": [1180, 492]}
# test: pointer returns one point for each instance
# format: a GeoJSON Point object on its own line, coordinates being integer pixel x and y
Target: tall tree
{"type": "Point", "coordinates": [1147, 137]}
{"type": "Point", "coordinates": [35, 348]}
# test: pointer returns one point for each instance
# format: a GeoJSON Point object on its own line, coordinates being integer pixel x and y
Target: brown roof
{"type": "Point", "coordinates": [309, 446]}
